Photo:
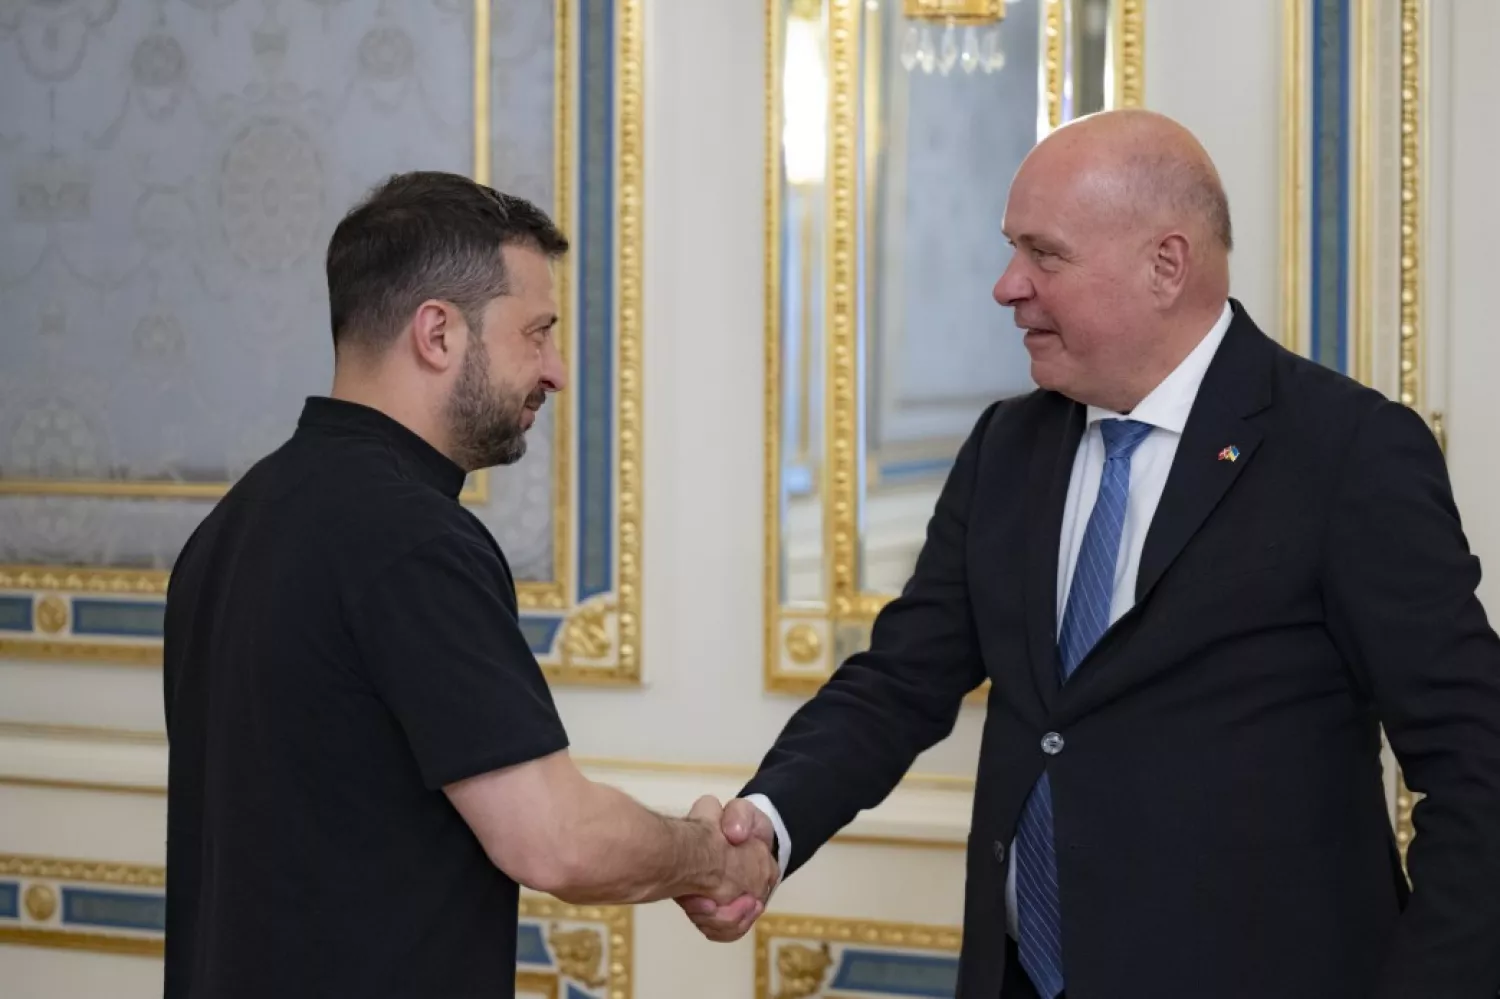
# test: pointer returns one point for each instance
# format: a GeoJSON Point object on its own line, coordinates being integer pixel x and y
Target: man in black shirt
{"type": "Point", "coordinates": [365, 757]}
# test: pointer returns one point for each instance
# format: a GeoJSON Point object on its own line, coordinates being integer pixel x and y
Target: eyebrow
{"type": "Point", "coordinates": [1039, 242]}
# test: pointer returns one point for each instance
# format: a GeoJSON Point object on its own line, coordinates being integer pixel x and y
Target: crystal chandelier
{"type": "Point", "coordinates": [970, 35]}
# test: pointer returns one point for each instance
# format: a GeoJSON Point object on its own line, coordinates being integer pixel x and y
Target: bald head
{"type": "Point", "coordinates": [1142, 168]}
{"type": "Point", "coordinates": [1122, 237]}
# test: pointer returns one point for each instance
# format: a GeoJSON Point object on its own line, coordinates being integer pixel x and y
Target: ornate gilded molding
{"type": "Point", "coordinates": [91, 871]}
{"type": "Point", "coordinates": [841, 498]}
{"type": "Point", "coordinates": [1294, 157]}
{"type": "Point", "coordinates": [1412, 15]}
{"type": "Point", "coordinates": [1130, 61]}
{"type": "Point", "coordinates": [81, 653]}
{"type": "Point", "coordinates": [771, 390]}
{"type": "Point", "coordinates": [579, 953]}
{"type": "Point", "coordinates": [42, 920]}
{"type": "Point", "coordinates": [1411, 202]}
{"type": "Point", "coordinates": [1052, 60]}
{"type": "Point", "coordinates": [590, 945]}
{"type": "Point", "coordinates": [802, 969]}
{"type": "Point", "coordinates": [587, 633]}
{"type": "Point", "coordinates": [583, 633]}
{"type": "Point", "coordinates": [1362, 301]}
{"type": "Point", "coordinates": [148, 582]}
{"type": "Point", "coordinates": [629, 445]}
{"type": "Point", "coordinates": [613, 927]}
{"type": "Point", "coordinates": [803, 642]}
{"type": "Point", "coordinates": [1375, 205]}
{"type": "Point", "coordinates": [796, 955]}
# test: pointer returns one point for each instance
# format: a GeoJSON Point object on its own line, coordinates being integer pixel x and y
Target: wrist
{"type": "Point", "coordinates": [701, 857]}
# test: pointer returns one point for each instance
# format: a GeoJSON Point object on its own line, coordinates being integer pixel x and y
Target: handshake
{"type": "Point", "coordinates": [742, 836]}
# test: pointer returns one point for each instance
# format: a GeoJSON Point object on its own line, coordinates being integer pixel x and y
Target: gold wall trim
{"type": "Point", "coordinates": [146, 582]}
{"type": "Point", "coordinates": [48, 730]}
{"type": "Point", "coordinates": [537, 982]}
{"type": "Point", "coordinates": [799, 662]}
{"type": "Point", "coordinates": [841, 497]}
{"type": "Point", "coordinates": [1362, 299]}
{"type": "Point", "coordinates": [629, 444]}
{"type": "Point", "coordinates": [771, 493]}
{"type": "Point", "coordinates": [1413, 13]}
{"type": "Point", "coordinates": [1294, 158]}
{"type": "Point", "coordinates": [103, 872]}
{"type": "Point", "coordinates": [618, 919]}
{"type": "Point", "coordinates": [1130, 53]}
{"type": "Point", "coordinates": [618, 661]}
{"type": "Point", "coordinates": [1052, 61]}
{"type": "Point", "coordinates": [105, 653]}
{"type": "Point", "coordinates": [481, 84]}
{"type": "Point", "coordinates": [98, 943]}
{"type": "Point", "coordinates": [552, 594]}
{"type": "Point", "coordinates": [1413, 16]}
{"type": "Point", "coordinates": [87, 872]}
{"type": "Point", "coordinates": [52, 784]}
{"type": "Point", "coordinates": [834, 930]}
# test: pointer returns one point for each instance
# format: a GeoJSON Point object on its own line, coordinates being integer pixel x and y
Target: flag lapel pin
{"type": "Point", "coordinates": [1230, 453]}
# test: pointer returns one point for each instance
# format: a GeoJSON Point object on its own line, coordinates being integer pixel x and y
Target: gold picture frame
{"type": "Point", "coordinates": [105, 907]}
{"type": "Point", "coordinates": [804, 641]}
{"type": "Point", "coordinates": [584, 622]}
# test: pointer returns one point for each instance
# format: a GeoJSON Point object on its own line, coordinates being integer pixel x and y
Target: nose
{"type": "Point", "coordinates": [554, 371]}
{"type": "Point", "coordinates": [1014, 287]}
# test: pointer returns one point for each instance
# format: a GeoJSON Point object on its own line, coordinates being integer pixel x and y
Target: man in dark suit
{"type": "Point", "coordinates": [1201, 572]}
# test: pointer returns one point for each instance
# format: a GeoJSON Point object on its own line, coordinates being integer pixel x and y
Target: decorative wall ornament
{"type": "Point", "coordinates": [1353, 205]}
{"type": "Point", "coordinates": [561, 950]}
{"type": "Point", "coordinates": [802, 957]}
{"type": "Point", "coordinates": [882, 220]}
{"type": "Point", "coordinates": [165, 251]}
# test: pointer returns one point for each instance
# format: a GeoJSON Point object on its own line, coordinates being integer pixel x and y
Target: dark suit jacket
{"type": "Point", "coordinates": [1221, 825]}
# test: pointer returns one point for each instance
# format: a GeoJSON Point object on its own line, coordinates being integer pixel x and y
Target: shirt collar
{"type": "Point", "coordinates": [1168, 405]}
{"type": "Point", "coordinates": [339, 416]}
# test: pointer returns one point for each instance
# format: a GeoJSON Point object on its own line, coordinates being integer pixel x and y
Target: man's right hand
{"type": "Point", "coordinates": [748, 834]}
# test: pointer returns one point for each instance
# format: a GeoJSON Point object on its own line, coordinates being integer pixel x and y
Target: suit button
{"type": "Point", "coordinates": [999, 852]}
{"type": "Point", "coordinates": [1052, 743]}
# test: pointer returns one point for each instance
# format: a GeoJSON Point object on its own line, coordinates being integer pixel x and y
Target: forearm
{"type": "Point", "coordinates": [611, 849]}
{"type": "Point", "coordinates": [553, 830]}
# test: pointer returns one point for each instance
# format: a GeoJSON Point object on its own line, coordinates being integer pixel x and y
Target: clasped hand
{"type": "Point", "coordinates": [750, 872]}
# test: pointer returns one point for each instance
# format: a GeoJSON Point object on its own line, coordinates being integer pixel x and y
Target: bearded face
{"type": "Point", "coordinates": [487, 420]}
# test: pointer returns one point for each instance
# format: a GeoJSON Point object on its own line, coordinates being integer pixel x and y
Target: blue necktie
{"type": "Point", "coordinates": [1085, 619]}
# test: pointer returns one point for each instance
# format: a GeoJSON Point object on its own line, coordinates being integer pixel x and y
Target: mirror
{"type": "Point", "coordinates": [895, 128]}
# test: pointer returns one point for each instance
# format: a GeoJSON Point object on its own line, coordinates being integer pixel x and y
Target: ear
{"type": "Point", "coordinates": [438, 333]}
{"type": "Point", "coordinates": [1169, 266]}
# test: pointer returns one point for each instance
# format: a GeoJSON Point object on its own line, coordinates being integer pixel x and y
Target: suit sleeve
{"type": "Point", "coordinates": [847, 748]}
{"type": "Point", "coordinates": [1403, 609]}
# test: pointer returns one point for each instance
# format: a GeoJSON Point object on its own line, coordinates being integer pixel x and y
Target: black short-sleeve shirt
{"type": "Point", "coordinates": [342, 641]}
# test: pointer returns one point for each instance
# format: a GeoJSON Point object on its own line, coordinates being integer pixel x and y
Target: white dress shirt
{"type": "Point", "coordinates": [1166, 409]}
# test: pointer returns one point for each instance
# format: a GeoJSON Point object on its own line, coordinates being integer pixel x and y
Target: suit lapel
{"type": "Point", "coordinates": [1046, 494]}
{"type": "Point", "coordinates": [1218, 442]}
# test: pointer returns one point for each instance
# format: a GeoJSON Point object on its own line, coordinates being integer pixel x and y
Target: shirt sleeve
{"type": "Point", "coordinates": [441, 643]}
{"type": "Point", "coordinates": [783, 838]}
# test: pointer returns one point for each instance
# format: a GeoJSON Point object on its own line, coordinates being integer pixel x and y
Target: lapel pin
{"type": "Point", "coordinates": [1230, 453]}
